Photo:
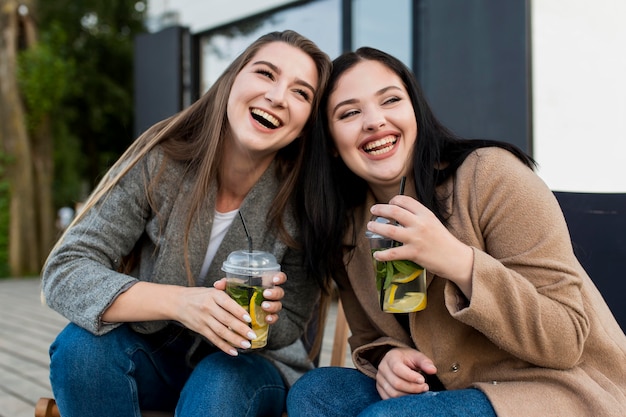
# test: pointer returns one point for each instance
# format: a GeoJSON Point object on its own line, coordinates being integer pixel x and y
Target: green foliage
{"type": "Point", "coordinates": [44, 77]}
{"type": "Point", "coordinates": [88, 47]}
{"type": "Point", "coordinates": [69, 188]}
{"type": "Point", "coordinates": [4, 217]}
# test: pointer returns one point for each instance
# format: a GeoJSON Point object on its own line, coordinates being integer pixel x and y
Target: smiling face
{"type": "Point", "coordinates": [270, 101]}
{"type": "Point", "coordinates": [373, 125]}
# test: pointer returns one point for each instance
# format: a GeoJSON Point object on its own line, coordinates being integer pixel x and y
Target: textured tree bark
{"type": "Point", "coordinates": [42, 148]}
{"type": "Point", "coordinates": [24, 244]}
{"type": "Point", "coordinates": [42, 157]}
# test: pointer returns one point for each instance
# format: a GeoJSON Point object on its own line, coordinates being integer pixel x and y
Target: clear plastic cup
{"type": "Point", "coordinates": [248, 273]}
{"type": "Point", "coordinates": [401, 284]}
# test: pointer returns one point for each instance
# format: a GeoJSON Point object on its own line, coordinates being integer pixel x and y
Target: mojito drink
{"type": "Point", "coordinates": [248, 273]}
{"type": "Point", "coordinates": [250, 298]}
{"type": "Point", "coordinates": [401, 285]}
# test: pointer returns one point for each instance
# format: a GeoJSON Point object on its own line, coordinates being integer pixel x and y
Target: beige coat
{"type": "Point", "coordinates": [537, 337]}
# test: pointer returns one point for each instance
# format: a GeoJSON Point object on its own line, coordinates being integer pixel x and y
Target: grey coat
{"type": "Point", "coordinates": [80, 279]}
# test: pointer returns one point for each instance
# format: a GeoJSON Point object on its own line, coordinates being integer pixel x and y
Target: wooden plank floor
{"type": "Point", "coordinates": [26, 330]}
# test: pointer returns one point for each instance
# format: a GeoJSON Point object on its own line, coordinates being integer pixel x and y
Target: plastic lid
{"type": "Point", "coordinates": [372, 235]}
{"type": "Point", "coordinates": [244, 262]}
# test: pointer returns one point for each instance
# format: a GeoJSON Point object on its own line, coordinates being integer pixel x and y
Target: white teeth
{"type": "Point", "coordinates": [274, 121]}
{"type": "Point", "coordinates": [380, 146]}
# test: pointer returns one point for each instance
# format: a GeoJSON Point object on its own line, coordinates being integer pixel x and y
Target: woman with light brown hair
{"type": "Point", "coordinates": [138, 271]}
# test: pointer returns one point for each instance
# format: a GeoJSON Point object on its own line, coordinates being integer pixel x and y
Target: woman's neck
{"type": "Point", "coordinates": [236, 179]}
{"type": "Point", "coordinates": [381, 194]}
{"type": "Point", "coordinates": [384, 193]}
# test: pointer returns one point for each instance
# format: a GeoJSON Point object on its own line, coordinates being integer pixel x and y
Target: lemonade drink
{"type": "Point", "coordinates": [248, 273]}
{"type": "Point", "coordinates": [250, 298]}
{"type": "Point", "coordinates": [401, 285]}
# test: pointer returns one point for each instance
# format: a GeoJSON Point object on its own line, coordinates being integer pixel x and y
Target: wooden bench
{"type": "Point", "coordinates": [47, 407]}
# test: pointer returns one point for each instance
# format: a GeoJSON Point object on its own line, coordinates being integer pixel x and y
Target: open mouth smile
{"type": "Point", "coordinates": [380, 146]}
{"type": "Point", "coordinates": [265, 118]}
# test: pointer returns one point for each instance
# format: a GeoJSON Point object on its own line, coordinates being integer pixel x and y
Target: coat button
{"type": "Point", "coordinates": [455, 367]}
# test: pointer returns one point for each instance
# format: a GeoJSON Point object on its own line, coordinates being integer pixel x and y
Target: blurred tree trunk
{"type": "Point", "coordinates": [43, 174]}
{"type": "Point", "coordinates": [24, 237]}
{"type": "Point", "coordinates": [42, 157]}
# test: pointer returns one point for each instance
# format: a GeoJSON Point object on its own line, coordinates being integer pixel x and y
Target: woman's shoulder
{"type": "Point", "coordinates": [157, 175]}
{"type": "Point", "coordinates": [495, 155]}
{"type": "Point", "coordinates": [496, 174]}
{"type": "Point", "coordinates": [156, 164]}
{"type": "Point", "coordinates": [491, 163]}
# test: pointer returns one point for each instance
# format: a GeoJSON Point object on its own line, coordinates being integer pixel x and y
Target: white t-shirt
{"type": "Point", "coordinates": [221, 223]}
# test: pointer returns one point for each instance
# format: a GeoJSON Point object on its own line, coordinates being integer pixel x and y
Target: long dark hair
{"type": "Point", "coordinates": [330, 193]}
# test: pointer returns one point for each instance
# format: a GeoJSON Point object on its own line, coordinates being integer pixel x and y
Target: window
{"type": "Point", "coordinates": [319, 21]}
{"type": "Point", "coordinates": [384, 25]}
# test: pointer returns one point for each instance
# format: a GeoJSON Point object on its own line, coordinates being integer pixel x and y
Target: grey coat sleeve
{"type": "Point", "coordinates": [80, 279]}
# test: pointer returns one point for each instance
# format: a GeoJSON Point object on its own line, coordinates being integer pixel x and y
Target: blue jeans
{"type": "Point", "coordinates": [121, 372]}
{"type": "Point", "coordinates": [343, 392]}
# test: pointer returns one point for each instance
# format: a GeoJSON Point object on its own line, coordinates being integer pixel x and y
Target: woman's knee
{"type": "Point", "coordinates": [326, 378]}
{"type": "Point", "coordinates": [72, 346]}
{"type": "Point", "coordinates": [244, 385]}
{"type": "Point", "coordinates": [311, 384]}
{"type": "Point", "coordinates": [331, 391]}
{"type": "Point", "coordinates": [228, 372]}
{"type": "Point", "coordinates": [78, 351]}
{"type": "Point", "coordinates": [465, 402]}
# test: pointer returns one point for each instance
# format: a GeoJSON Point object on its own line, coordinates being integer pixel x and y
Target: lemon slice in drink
{"type": "Point", "coordinates": [391, 294]}
{"type": "Point", "coordinates": [261, 336]}
{"type": "Point", "coordinates": [408, 303]}
{"type": "Point", "coordinates": [253, 311]}
{"type": "Point", "coordinates": [402, 279]}
{"type": "Point", "coordinates": [258, 323]}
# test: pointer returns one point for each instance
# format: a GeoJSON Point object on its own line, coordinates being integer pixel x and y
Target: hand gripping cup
{"type": "Point", "coordinates": [248, 273]}
{"type": "Point", "coordinates": [401, 284]}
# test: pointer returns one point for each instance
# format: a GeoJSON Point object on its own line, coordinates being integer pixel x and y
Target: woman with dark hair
{"type": "Point", "coordinates": [513, 325]}
{"type": "Point", "coordinates": [138, 271]}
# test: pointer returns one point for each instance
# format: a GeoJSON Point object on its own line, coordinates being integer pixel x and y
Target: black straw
{"type": "Point", "coordinates": [402, 183]}
{"type": "Point", "coordinates": [393, 244]}
{"type": "Point", "coordinates": [245, 228]}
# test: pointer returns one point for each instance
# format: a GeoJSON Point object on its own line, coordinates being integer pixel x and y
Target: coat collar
{"type": "Point", "coordinates": [170, 264]}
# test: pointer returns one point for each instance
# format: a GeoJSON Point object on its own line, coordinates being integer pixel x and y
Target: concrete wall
{"type": "Point", "coordinates": [579, 93]}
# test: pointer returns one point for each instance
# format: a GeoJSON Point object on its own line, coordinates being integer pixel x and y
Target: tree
{"type": "Point", "coordinates": [65, 110]}
{"type": "Point", "coordinates": [100, 42]}
{"type": "Point", "coordinates": [24, 245]}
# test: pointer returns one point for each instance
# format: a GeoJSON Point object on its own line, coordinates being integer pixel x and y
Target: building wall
{"type": "Point", "coordinates": [578, 83]}
{"type": "Point", "coordinates": [579, 93]}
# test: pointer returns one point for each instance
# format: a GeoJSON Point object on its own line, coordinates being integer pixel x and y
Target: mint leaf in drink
{"type": "Point", "coordinates": [405, 267]}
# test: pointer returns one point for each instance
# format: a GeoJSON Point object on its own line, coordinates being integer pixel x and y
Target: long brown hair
{"type": "Point", "coordinates": [196, 135]}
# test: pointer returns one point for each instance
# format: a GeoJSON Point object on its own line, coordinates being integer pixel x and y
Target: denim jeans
{"type": "Point", "coordinates": [121, 372]}
{"type": "Point", "coordinates": [343, 392]}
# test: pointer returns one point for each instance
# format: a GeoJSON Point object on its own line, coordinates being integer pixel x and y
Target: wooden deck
{"type": "Point", "coordinates": [26, 330]}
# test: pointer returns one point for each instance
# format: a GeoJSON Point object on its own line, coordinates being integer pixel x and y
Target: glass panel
{"type": "Point", "coordinates": [385, 25]}
{"type": "Point", "coordinates": [219, 48]}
